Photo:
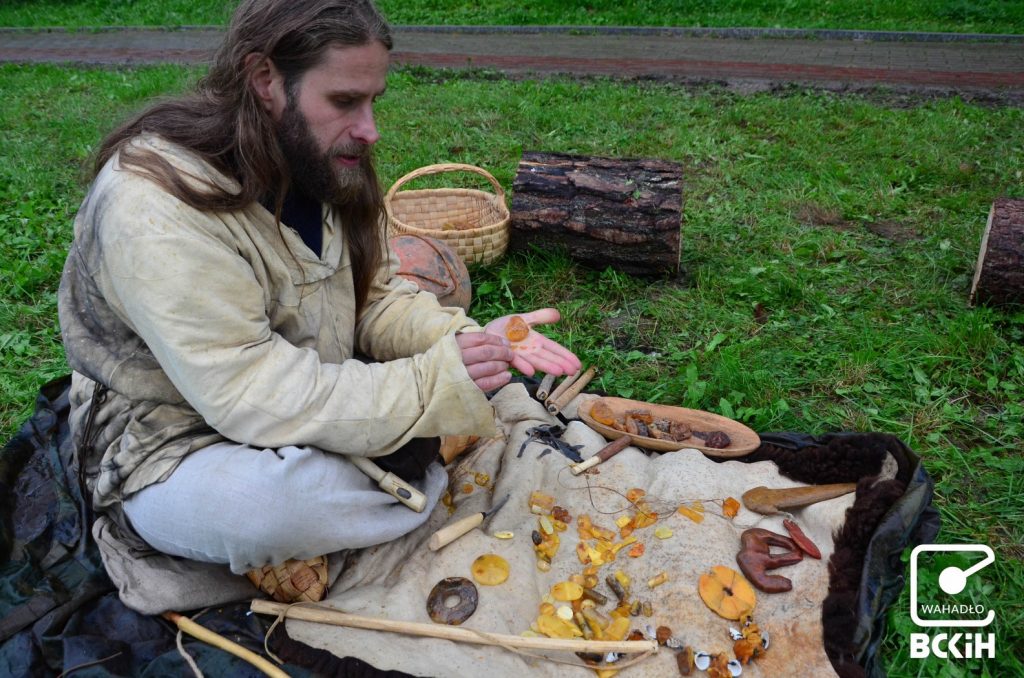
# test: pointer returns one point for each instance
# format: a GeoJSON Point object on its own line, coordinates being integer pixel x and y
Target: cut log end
{"type": "Point", "coordinates": [999, 272]}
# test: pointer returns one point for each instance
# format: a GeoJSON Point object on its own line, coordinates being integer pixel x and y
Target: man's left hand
{"type": "Point", "coordinates": [535, 351]}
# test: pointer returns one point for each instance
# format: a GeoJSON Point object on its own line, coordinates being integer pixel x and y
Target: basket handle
{"type": "Point", "coordinates": [440, 169]}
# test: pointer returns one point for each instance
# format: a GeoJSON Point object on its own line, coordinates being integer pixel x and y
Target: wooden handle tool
{"type": "Point", "coordinates": [606, 453]}
{"type": "Point", "coordinates": [557, 404]}
{"type": "Point", "coordinates": [392, 484]}
{"type": "Point", "coordinates": [449, 533]}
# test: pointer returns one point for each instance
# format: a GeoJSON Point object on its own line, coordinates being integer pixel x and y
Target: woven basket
{"type": "Point", "coordinates": [474, 223]}
{"type": "Point", "coordinates": [293, 580]}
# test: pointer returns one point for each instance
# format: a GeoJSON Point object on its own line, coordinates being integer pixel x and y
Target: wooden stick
{"type": "Point", "coordinates": [603, 455]}
{"type": "Point", "coordinates": [545, 387]}
{"type": "Point", "coordinates": [558, 404]}
{"type": "Point", "coordinates": [566, 383]}
{"type": "Point", "coordinates": [207, 636]}
{"type": "Point", "coordinates": [327, 615]}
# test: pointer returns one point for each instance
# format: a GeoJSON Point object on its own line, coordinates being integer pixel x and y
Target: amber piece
{"type": "Point", "coordinates": [663, 634]}
{"type": "Point", "coordinates": [616, 587]}
{"type": "Point", "coordinates": [481, 479]}
{"type": "Point", "coordinates": [636, 608]}
{"type": "Point", "coordinates": [602, 414]}
{"type": "Point", "coordinates": [645, 516]}
{"type": "Point", "coordinates": [617, 629]}
{"type": "Point", "coordinates": [546, 526]}
{"type": "Point", "coordinates": [635, 634]}
{"type": "Point", "coordinates": [446, 499]}
{"type": "Point", "coordinates": [636, 551]}
{"type": "Point", "coordinates": [593, 596]}
{"type": "Point", "coordinates": [467, 488]}
{"type": "Point", "coordinates": [717, 439]}
{"type": "Point", "coordinates": [633, 495]}
{"type": "Point", "coordinates": [663, 532]}
{"type": "Point", "coordinates": [554, 626]}
{"type": "Point", "coordinates": [582, 553]}
{"type": "Point", "coordinates": [646, 609]}
{"type": "Point", "coordinates": [566, 591]}
{"type": "Point", "coordinates": [726, 592]}
{"type": "Point", "coordinates": [657, 580]}
{"type": "Point", "coordinates": [679, 431]}
{"type": "Point", "coordinates": [641, 415]}
{"type": "Point", "coordinates": [559, 525]}
{"type": "Point", "coordinates": [559, 513]}
{"type": "Point", "coordinates": [516, 329]}
{"type": "Point", "coordinates": [684, 660]}
{"type": "Point", "coordinates": [744, 650]}
{"type": "Point", "coordinates": [543, 565]}
{"type": "Point", "coordinates": [578, 579]}
{"type": "Point", "coordinates": [541, 503]}
{"type": "Point", "coordinates": [730, 507]}
{"type": "Point", "coordinates": [490, 569]}
{"type": "Point", "coordinates": [546, 608]}
{"type": "Point", "coordinates": [692, 512]}
{"type": "Point", "coordinates": [602, 533]}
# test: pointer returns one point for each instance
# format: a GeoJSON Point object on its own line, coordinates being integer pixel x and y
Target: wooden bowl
{"type": "Point", "coordinates": [743, 440]}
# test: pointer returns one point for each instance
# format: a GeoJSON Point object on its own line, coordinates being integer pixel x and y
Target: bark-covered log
{"type": "Point", "coordinates": [999, 273]}
{"type": "Point", "coordinates": [623, 213]}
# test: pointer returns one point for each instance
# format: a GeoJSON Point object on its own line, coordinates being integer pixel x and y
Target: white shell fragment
{"type": "Point", "coordinates": [702, 660]}
{"type": "Point", "coordinates": [612, 657]}
{"type": "Point", "coordinates": [735, 668]}
{"type": "Point", "coordinates": [650, 633]}
{"type": "Point", "coordinates": [735, 634]}
{"type": "Point", "coordinates": [674, 643]}
{"type": "Point", "coordinates": [765, 642]}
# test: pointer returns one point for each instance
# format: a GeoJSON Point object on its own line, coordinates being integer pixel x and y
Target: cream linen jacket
{"type": "Point", "coordinates": [223, 326]}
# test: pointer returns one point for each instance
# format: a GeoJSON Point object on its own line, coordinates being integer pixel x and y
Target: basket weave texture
{"type": "Point", "coordinates": [292, 581]}
{"type": "Point", "coordinates": [472, 222]}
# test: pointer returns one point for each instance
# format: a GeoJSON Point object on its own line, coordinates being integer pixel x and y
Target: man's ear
{"type": "Point", "coordinates": [267, 83]}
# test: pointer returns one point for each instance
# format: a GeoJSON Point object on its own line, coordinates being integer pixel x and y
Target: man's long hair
{"type": "Point", "coordinates": [225, 123]}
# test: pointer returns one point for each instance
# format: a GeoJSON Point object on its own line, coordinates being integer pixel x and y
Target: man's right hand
{"type": "Point", "coordinates": [487, 358]}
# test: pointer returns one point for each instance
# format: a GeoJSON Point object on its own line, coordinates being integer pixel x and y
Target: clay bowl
{"type": "Point", "coordinates": [744, 440]}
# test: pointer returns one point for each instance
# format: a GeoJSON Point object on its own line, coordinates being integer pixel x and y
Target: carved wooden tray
{"type": "Point", "coordinates": [743, 440]}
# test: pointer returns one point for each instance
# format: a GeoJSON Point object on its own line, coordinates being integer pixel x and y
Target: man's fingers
{"type": "Point", "coordinates": [545, 362]}
{"type": "Point", "coordinates": [474, 339]}
{"type": "Point", "coordinates": [541, 316]}
{"type": "Point", "coordinates": [486, 369]}
{"type": "Point", "coordinates": [563, 354]}
{"type": "Point", "coordinates": [496, 381]}
{"type": "Point", "coordinates": [520, 362]}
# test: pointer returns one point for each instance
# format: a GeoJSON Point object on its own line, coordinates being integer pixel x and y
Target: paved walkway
{"type": "Point", "coordinates": [826, 58]}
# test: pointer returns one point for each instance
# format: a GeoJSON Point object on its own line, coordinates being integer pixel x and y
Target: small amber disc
{"type": "Point", "coordinates": [490, 569]}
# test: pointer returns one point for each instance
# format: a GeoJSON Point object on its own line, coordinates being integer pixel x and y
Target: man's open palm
{"type": "Point", "coordinates": [535, 352]}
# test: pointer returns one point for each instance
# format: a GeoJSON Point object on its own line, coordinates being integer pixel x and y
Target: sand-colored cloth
{"type": "Point", "coordinates": [393, 580]}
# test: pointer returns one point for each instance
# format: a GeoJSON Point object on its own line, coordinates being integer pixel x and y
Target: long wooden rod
{"type": "Point", "coordinates": [326, 615]}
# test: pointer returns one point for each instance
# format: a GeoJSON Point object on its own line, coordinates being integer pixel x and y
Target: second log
{"type": "Point", "coordinates": [623, 213]}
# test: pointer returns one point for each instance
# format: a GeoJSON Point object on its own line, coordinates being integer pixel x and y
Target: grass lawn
{"type": "Point", "coordinates": [850, 227]}
{"type": "Point", "coordinates": [975, 16]}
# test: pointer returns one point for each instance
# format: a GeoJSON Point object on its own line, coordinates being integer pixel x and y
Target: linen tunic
{"type": "Point", "coordinates": [208, 326]}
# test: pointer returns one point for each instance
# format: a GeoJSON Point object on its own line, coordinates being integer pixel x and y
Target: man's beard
{"type": "Point", "coordinates": [315, 173]}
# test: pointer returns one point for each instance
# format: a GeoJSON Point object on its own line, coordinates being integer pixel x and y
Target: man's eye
{"type": "Point", "coordinates": [343, 103]}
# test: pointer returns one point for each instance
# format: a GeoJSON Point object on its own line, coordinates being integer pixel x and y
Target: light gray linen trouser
{"type": "Point", "coordinates": [247, 507]}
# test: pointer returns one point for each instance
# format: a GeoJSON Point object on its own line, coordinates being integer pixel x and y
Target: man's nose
{"type": "Point", "coordinates": [365, 129]}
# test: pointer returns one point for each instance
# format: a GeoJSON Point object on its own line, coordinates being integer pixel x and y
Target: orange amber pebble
{"type": "Point", "coordinates": [633, 495]}
{"type": "Point", "coordinates": [467, 488]}
{"type": "Point", "coordinates": [602, 414]}
{"type": "Point", "coordinates": [516, 329]}
{"type": "Point", "coordinates": [636, 551]}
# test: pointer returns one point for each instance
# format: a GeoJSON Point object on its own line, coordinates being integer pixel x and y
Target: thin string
{"type": "Point", "coordinates": [188, 658]}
